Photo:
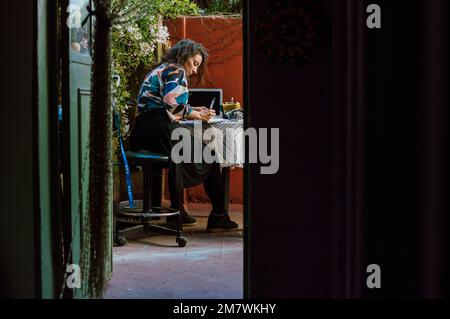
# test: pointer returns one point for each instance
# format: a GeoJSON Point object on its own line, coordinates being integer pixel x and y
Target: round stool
{"type": "Point", "coordinates": [144, 215]}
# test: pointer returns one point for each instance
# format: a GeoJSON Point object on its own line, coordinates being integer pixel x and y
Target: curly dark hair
{"type": "Point", "coordinates": [185, 49]}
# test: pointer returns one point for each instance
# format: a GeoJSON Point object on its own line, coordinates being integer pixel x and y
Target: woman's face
{"type": "Point", "coordinates": [192, 64]}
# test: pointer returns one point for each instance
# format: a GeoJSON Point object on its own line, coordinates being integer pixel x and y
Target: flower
{"type": "Point", "coordinates": [146, 48]}
{"type": "Point", "coordinates": [138, 35]}
{"type": "Point", "coordinates": [162, 34]}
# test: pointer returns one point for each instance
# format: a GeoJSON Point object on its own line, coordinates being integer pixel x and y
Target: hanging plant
{"type": "Point", "coordinates": [96, 225]}
{"type": "Point", "coordinates": [289, 33]}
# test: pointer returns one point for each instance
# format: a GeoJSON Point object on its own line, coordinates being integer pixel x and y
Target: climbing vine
{"type": "Point", "coordinates": [135, 44]}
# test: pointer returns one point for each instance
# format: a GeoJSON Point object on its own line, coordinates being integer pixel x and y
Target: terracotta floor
{"type": "Point", "coordinates": [209, 267]}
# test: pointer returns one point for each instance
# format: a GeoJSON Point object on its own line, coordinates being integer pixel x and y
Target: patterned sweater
{"type": "Point", "coordinates": [165, 87]}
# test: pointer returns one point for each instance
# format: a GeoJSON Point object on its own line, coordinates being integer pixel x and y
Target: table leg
{"type": "Point", "coordinates": [226, 187]}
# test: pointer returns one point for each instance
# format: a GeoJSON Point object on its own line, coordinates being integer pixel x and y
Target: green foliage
{"type": "Point", "coordinates": [174, 8]}
{"type": "Point", "coordinates": [134, 46]}
{"type": "Point", "coordinates": [221, 6]}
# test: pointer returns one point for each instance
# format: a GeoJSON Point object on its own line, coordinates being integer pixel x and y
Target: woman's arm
{"type": "Point", "coordinates": [175, 93]}
{"type": "Point", "coordinates": [199, 108]}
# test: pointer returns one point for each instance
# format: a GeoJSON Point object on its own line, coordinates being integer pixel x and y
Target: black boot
{"type": "Point", "coordinates": [185, 217]}
{"type": "Point", "coordinates": [217, 223]}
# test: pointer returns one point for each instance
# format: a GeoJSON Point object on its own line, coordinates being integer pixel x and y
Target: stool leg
{"type": "Point", "coordinates": [179, 224]}
{"type": "Point", "coordinates": [180, 240]}
{"type": "Point", "coordinates": [148, 179]}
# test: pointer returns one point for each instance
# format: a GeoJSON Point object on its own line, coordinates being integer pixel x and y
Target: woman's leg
{"type": "Point", "coordinates": [176, 194]}
{"type": "Point", "coordinates": [218, 220]}
{"type": "Point", "coordinates": [213, 188]}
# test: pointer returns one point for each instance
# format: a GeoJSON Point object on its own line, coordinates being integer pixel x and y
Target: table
{"type": "Point", "coordinates": [230, 148]}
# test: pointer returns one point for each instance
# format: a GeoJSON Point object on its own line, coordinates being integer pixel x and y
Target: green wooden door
{"type": "Point", "coordinates": [77, 121]}
{"type": "Point", "coordinates": [79, 104]}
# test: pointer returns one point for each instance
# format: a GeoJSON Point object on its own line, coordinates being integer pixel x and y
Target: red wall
{"type": "Point", "coordinates": [222, 37]}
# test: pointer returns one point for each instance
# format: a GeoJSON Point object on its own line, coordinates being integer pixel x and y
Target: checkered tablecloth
{"type": "Point", "coordinates": [229, 148]}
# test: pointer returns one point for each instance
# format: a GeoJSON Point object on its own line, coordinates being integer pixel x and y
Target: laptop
{"type": "Point", "coordinates": [206, 97]}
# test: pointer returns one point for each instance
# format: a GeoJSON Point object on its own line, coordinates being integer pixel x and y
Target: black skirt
{"type": "Point", "coordinates": [152, 131]}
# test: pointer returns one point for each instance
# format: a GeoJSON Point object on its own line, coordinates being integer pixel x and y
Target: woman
{"type": "Point", "coordinates": [162, 101]}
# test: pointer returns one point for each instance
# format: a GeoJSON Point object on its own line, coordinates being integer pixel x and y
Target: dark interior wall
{"type": "Point", "coordinates": [290, 221]}
{"type": "Point", "coordinates": [392, 163]}
{"type": "Point", "coordinates": [395, 147]}
{"type": "Point", "coordinates": [405, 149]}
{"type": "Point", "coordinates": [17, 214]}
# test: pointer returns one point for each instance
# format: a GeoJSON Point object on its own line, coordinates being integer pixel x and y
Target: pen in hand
{"type": "Point", "coordinates": [212, 103]}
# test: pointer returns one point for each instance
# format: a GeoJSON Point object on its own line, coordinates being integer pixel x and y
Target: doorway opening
{"type": "Point", "coordinates": [151, 264]}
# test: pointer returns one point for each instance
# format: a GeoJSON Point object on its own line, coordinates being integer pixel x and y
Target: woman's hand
{"type": "Point", "coordinates": [203, 115]}
{"type": "Point", "coordinates": [204, 109]}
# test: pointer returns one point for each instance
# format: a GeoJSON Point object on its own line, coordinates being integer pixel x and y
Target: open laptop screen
{"type": "Point", "coordinates": [204, 97]}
